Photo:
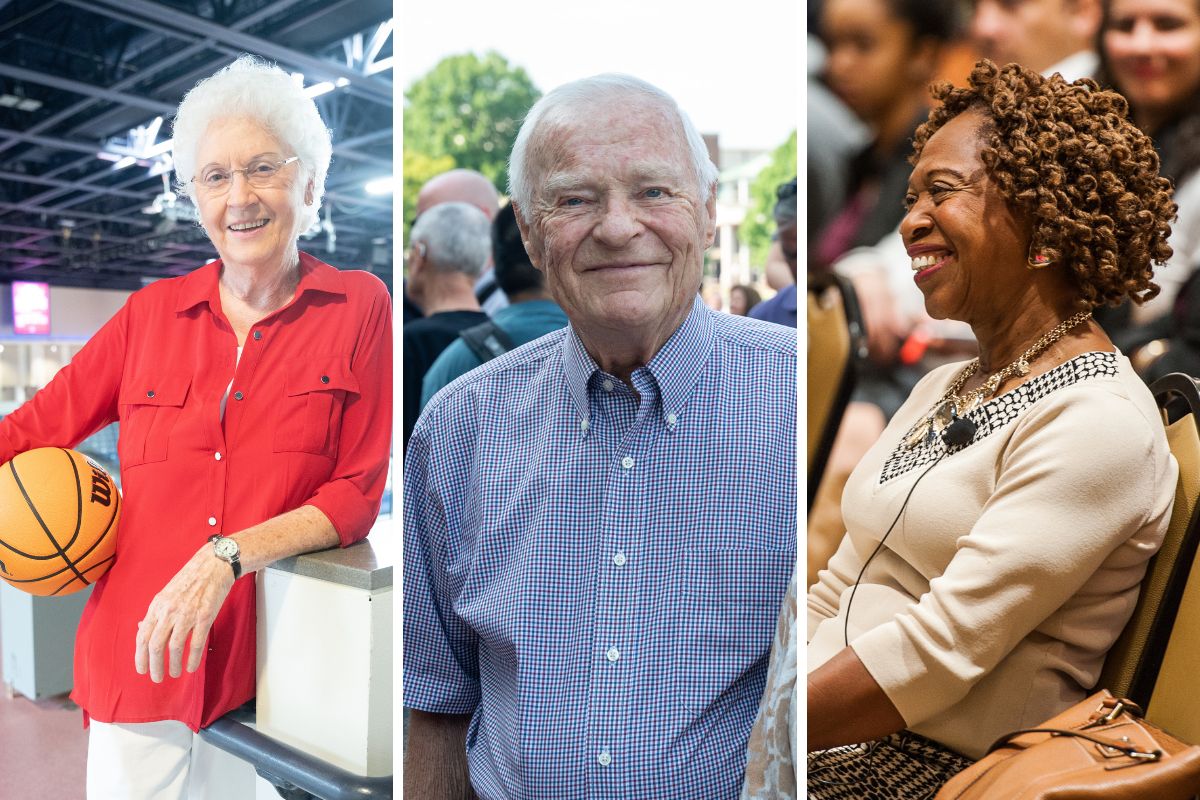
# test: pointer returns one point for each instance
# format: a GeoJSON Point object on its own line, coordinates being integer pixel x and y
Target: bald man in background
{"type": "Point", "coordinates": [473, 188]}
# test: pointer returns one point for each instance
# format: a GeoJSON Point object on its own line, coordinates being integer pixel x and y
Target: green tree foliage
{"type": "Point", "coordinates": [760, 221]}
{"type": "Point", "coordinates": [468, 109]}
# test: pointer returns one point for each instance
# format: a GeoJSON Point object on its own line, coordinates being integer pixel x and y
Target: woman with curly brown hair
{"type": "Point", "coordinates": [980, 595]}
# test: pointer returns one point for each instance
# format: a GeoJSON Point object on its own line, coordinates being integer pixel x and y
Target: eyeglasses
{"type": "Point", "coordinates": [259, 173]}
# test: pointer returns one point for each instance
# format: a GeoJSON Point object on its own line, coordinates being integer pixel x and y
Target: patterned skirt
{"type": "Point", "coordinates": [903, 766]}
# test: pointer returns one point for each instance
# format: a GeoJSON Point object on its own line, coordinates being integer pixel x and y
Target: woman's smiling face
{"type": "Point", "coordinates": [251, 226]}
{"type": "Point", "coordinates": [967, 243]}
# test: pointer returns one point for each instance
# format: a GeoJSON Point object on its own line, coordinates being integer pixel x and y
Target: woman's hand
{"type": "Point", "coordinates": [187, 605]}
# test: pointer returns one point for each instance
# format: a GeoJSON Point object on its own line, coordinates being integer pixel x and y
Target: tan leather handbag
{"type": "Point", "coordinates": [1099, 749]}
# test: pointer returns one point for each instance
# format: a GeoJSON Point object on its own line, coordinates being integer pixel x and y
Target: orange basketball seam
{"type": "Point", "coordinates": [78, 504]}
{"type": "Point", "coordinates": [29, 505]}
{"type": "Point", "coordinates": [97, 565]}
{"type": "Point", "coordinates": [99, 541]}
{"type": "Point", "coordinates": [45, 528]}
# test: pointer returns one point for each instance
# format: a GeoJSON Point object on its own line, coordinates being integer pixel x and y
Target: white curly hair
{"type": "Point", "coordinates": [250, 87]}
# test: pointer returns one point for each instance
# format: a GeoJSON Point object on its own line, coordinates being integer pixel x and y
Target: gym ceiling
{"type": "Point", "coordinates": [87, 92]}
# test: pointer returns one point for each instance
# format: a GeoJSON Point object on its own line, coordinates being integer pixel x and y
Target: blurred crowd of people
{"type": "Point", "coordinates": [871, 63]}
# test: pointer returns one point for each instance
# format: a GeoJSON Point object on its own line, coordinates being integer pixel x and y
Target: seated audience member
{"type": "Point", "coordinates": [782, 307]}
{"type": "Point", "coordinates": [599, 526]}
{"type": "Point", "coordinates": [449, 245]}
{"type": "Point", "coordinates": [834, 136]}
{"type": "Point", "coordinates": [475, 189]}
{"type": "Point", "coordinates": [1150, 53]}
{"type": "Point", "coordinates": [882, 56]}
{"type": "Point", "coordinates": [742, 299]}
{"type": "Point", "coordinates": [981, 595]}
{"type": "Point", "coordinates": [529, 315]}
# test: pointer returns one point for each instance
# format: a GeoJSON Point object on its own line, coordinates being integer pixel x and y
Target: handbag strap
{"type": "Point", "coordinates": [1132, 752]}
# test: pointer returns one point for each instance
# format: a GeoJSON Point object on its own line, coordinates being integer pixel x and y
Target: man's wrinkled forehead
{"type": "Point", "coordinates": [567, 137]}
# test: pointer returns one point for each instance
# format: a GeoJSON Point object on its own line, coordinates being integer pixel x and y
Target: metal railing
{"type": "Point", "coordinates": [296, 775]}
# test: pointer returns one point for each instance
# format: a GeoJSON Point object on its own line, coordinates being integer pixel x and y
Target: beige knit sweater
{"type": "Point", "coordinates": [1017, 560]}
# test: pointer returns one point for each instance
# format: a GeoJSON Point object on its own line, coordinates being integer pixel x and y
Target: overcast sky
{"type": "Point", "coordinates": [735, 71]}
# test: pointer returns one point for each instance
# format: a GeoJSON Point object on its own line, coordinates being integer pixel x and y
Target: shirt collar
{"type": "Point", "coordinates": [200, 286]}
{"type": "Point", "coordinates": [676, 367]}
{"type": "Point", "coordinates": [1084, 64]}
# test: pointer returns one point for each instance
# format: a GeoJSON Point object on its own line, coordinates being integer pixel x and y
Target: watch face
{"type": "Point", "coordinates": [226, 548]}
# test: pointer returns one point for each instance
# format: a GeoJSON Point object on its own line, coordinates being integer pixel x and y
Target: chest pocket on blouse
{"type": "Point", "coordinates": [726, 623]}
{"type": "Point", "coordinates": [310, 416]}
{"type": "Point", "coordinates": [150, 406]}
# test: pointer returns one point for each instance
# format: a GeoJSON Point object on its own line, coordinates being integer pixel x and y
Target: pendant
{"type": "Point", "coordinates": [1022, 367]}
{"type": "Point", "coordinates": [918, 434]}
{"type": "Point", "coordinates": [944, 413]}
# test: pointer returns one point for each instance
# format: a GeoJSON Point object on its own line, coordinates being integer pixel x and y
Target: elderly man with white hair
{"type": "Point", "coordinates": [448, 247]}
{"type": "Point", "coordinates": [600, 525]}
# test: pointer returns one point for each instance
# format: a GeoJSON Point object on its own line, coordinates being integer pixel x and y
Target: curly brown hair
{"type": "Point", "coordinates": [1067, 154]}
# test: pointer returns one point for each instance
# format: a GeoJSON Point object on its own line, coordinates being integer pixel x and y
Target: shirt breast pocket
{"type": "Point", "coordinates": [728, 614]}
{"type": "Point", "coordinates": [151, 405]}
{"type": "Point", "coordinates": [310, 415]}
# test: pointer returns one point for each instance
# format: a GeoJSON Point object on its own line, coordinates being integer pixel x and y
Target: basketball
{"type": "Point", "coordinates": [58, 521]}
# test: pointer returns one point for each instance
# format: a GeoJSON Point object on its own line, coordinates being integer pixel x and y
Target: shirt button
{"type": "Point", "coordinates": [613, 654]}
{"type": "Point", "coordinates": [672, 419]}
{"type": "Point", "coordinates": [238, 395]}
{"type": "Point", "coordinates": [217, 456]}
{"type": "Point", "coordinates": [150, 393]}
{"type": "Point", "coordinates": [619, 559]}
{"type": "Point", "coordinates": [604, 758]}
{"type": "Point", "coordinates": [583, 424]}
{"type": "Point", "coordinates": [324, 379]}
{"type": "Point", "coordinates": [257, 335]}
{"type": "Point", "coordinates": [608, 386]}
{"type": "Point", "coordinates": [212, 521]}
{"type": "Point", "coordinates": [627, 462]}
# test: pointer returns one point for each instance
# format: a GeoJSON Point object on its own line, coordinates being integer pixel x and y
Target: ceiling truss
{"type": "Point", "coordinates": [88, 72]}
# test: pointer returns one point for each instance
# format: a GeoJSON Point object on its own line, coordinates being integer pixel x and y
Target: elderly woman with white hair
{"type": "Point", "coordinates": [254, 399]}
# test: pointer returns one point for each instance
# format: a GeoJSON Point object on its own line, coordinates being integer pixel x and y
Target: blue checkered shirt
{"type": "Point", "coordinates": [596, 574]}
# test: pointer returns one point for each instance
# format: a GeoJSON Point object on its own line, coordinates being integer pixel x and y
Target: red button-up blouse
{"type": "Point", "coordinates": [307, 422]}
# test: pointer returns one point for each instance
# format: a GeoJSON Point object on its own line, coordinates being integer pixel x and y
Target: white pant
{"type": "Point", "coordinates": [161, 761]}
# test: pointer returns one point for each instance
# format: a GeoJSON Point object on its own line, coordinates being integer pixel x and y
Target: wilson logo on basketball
{"type": "Point", "coordinates": [101, 488]}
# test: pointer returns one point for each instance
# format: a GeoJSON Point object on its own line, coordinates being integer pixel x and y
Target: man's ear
{"type": "Point", "coordinates": [309, 193]}
{"type": "Point", "coordinates": [416, 259]}
{"type": "Point", "coordinates": [534, 253]}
